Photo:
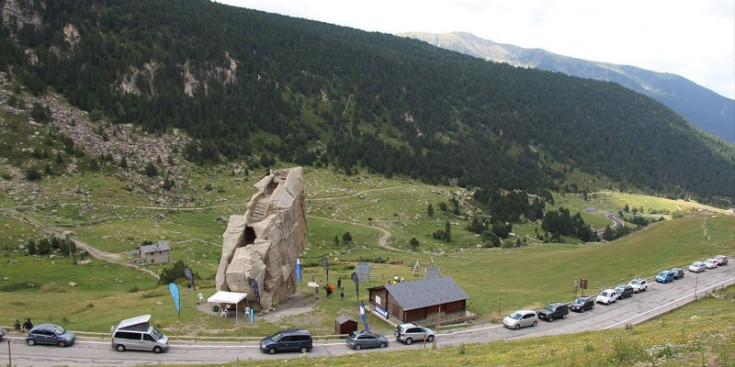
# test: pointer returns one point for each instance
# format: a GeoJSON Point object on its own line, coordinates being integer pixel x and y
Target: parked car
{"type": "Point", "coordinates": [721, 260]}
{"type": "Point", "coordinates": [2, 333]}
{"type": "Point", "coordinates": [665, 276]}
{"type": "Point", "coordinates": [50, 334]}
{"type": "Point", "coordinates": [136, 333]}
{"type": "Point", "coordinates": [553, 311]}
{"type": "Point", "coordinates": [639, 285]}
{"type": "Point", "coordinates": [607, 296]}
{"type": "Point", "coordinates": [582, 304]}
{"type": "Point", "coordinates": [521, 318]}
{"type": "Point", "coordinates": [697, 267]}
{"type": "Point", "coordinates": [410, 332]}
{"type": "Point", "coordinates": [365, 339]}
{"type": "Point", "coordinates": [710, 263]}
{"type": "Point", "coordinates": [287, 341]}
{"type": "Point", "coordinates": [678, 273]}
{"type": "Point", "coordinates": [624, 291]}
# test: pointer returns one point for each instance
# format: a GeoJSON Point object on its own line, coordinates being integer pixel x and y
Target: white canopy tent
{"type": "Point", "coordinates": [230, 298]}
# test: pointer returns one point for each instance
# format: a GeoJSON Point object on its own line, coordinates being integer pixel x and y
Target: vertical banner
{"type": "Point", "coordinates": [357, 284]}
{"type": "Point", "coordinates": [190, 276]}
{"type": "Point", "coordinates": [252, 316]}
{"type": "Point", "coordinates": [254, 286]}
{"type": "Point", "coordinates": [298, 270]}
{"type": "Point", "coordinates": [326, 267]}
{"type": "Point", "coordinates": [362, 316]}
{"type": "Point", "coordinates": [174, 289]}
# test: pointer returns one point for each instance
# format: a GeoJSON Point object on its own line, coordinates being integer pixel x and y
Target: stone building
{"type": "Point", "coordinates": [158, 253]}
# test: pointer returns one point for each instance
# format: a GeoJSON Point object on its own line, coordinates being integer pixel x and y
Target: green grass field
{"type": "Point", "coordinates": [528, 276]}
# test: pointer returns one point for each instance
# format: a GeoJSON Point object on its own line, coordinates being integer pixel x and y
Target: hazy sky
{"type": "Point", "coordinates": [691, 38]}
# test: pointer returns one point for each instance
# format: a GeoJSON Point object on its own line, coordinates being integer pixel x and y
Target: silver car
{"type": "Point", "coordinates": [50, 334]}
{"type": "Point", "coordinates": [410, 332]}
{"type": "Point", "coordinates": [697, 267]}
{"type": "Point", "coordinates": [521, 318]}
{"type": "Point", "coordinates": [721, 260]}
{"type": "Point", "coordinates": [711, 263]}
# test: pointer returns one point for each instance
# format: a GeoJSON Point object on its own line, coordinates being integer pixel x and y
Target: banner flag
{"type": "Point", "coordinates": [357, 284]}
{"type": "Point", "coordinates": [190, 276]}
{"type": "Point", "coordinates": [254, 286]}
{"type": "Point", "coordinates": [362, 316]}
{"type": "Point", "coordinates": [326, 267]}
{"type": "Point", "coordinates": [298, 270]}
{"type": "Point", "coordinates": [174, 289]}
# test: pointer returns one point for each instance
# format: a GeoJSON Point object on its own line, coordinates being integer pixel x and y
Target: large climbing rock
{"type": "Point", "coordinates": [264, 243]}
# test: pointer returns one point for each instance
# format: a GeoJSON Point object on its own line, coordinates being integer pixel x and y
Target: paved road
{"type": "Point", "coordinates": [615, 224]}
{"type": "Point", "coordinates": [659, 299]}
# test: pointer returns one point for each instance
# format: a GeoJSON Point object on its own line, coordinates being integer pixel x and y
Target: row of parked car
{"type": "Point", "coordinates": [559, 310]}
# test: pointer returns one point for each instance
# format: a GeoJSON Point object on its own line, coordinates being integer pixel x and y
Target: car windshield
{"type": "Point", "coordinates": [59, 330]}
{"type": "Point", "coordinates": [156, 334]}
{"type": "Point", "coordinates": [550, 308]}
{"type": "Point", "coordinates": [605, 294]}
{"type": "Point", "coordinates": [276, 337]}
{"type": "Point", "coordinates": [353, 335]}
{"type": "Point", "coordinates": [663, 273]}
{"type": "Point", "coordinates": [635, 282]}
{"type": "Point", "coordinates": [579, 300]}
{"type": "Point", "coordinates": [516, 316]}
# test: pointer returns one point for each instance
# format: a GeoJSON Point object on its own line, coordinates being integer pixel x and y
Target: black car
{"type": "Point", "coordinates": [553, 311]}
{"type": "Point", "coordinates": [287, 341]}
{"type": "Point", "coordinates": [624, 291]}
{"type": "Point", "coordinates": [678, 273]}
{"type": "Point", "coordinates": [582, 304]}
{"type": "Point", "coordinates": [2, 333]}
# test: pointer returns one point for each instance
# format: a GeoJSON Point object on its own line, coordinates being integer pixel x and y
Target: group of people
{"type": "Point", "coordinates": [27, 326]}
{"type": "Point", "coordinates": [329, 289]}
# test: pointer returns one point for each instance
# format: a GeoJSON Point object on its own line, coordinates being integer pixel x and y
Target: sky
{"type": "Point", "coordinates": [691, 38]}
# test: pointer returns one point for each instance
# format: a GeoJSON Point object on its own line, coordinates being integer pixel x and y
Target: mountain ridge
{"type": "Point", "coordinates": [704, 108]}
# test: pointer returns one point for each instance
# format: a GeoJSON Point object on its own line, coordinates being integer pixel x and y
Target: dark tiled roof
{"type": "Point", "coordinates": [426, 292]}
{"type": "Point", "coordinates": [161, 246]}
{"type": "Point", "coordinates": [344, 318]}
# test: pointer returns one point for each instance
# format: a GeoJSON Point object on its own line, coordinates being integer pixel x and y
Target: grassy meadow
{"type": "Point", "coordinates": [100, 211]}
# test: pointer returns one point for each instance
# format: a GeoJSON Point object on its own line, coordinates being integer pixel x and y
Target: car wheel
{"type": "Point", "coordinates": [157, 349]}
{"type": "Point", "coordinates": [358, 346]}
{"type": "Point", "coordinates": [305, 349]}
{"type": "Point", "coordinates": [382, 345]}
{"type": "Point", "coordinates": [31, 342]}
{"type": "Point", "coordinates": [120, 348]}
{"type": "Point", "coordinates": [409, 340]}
{"type": "Point", "coordinates": [551, 318]}
{"type": "Point", "coordinates": [430, 338]}
{"type": "Point", "coordinates": [61, 343]}
{"type": "Point", "coordinates": [534, 323]}
{"type": "Point", "coordinates": [563, 316]}
{"type": "Point", "coordinates": [518, 326]}
{"type": "Point", "coordinates": [272, 350]}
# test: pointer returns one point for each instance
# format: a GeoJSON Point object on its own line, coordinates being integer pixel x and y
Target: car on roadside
{"type": "Point", "coordinates": [365, 339]}
{"type": "Point", "coordinates": [582, 304]}
{"type": "Point", "coordinates": [287, 341]}
{"type": "Point", "coordinates": [697, 267]}
{"type": "Point", "coordinates": [624, 291]}
{"type": "Point", "coordinates": [412, 332]}
{"type": "Point", "coordinates": [678, 273]}
{"type": "Point", "coordinates": [665, 276]}
{"type": "Point", "coordinates": [521, 318]}
{"type": "Point", "coordinates": [721, 260]}
{"type": "Point", "coordinates": [2, 333]}
{"type": "Point", "coordinates": [639, 285]}
{"type": "Point", "coordinates": [553, 311]}
{"type": "Point", "coordinates": [710, 263]}
{"type": "Point", "coordinates": [51, 334]}
{"type": "Point", "coordinates": [607, 297]}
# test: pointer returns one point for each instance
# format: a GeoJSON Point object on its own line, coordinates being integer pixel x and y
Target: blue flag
{"type": "Point", "coordinates": [298, 270]}
{"type": "Point", "coordinates": [174, 289]}
{"type": "Point", "coordinates": [362, 316]}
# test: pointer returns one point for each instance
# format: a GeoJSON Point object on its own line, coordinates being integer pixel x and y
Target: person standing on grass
{"type": "Point", "coordinates": [342, 293]}
{"type": "Point", "coordinates": [28, 325]}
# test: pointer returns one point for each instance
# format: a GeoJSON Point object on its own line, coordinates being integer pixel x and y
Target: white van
{"type": "Point", "coordinates": [137, 334]}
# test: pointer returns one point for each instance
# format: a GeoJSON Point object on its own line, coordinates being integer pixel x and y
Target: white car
{"type": "Point", "coordinates": [697, 267]}
{"type": "Point", "coordinates": [710, 263]}
{"type": "Point", "coordinates": [607, 296]}
{"type": "Point", "coordinates": [639, 285]}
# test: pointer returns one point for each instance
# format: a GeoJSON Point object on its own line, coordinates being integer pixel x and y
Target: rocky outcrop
{"type": "Point", "coordinates": [264, 243]}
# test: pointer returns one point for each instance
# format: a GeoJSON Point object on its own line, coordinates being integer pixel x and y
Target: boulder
{"type": "Point", "coordinates": [264, 244]}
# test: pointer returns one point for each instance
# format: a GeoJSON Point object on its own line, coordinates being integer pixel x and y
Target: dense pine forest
{"type": "Point", "coordinates": [249, 84]}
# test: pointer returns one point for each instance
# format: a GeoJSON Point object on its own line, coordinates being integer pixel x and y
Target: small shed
{"type": "Point", "coordinates": [158, 253]}
{"type": "Point", "coordinates": [345, 324]}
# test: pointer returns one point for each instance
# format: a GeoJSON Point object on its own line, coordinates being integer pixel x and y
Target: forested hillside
{"type": "Point", "coordinates": [244, 83]}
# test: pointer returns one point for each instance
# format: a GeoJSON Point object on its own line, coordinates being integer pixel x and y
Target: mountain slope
{"type": "Point", "coordinates": [706, 109]}
{"type": "Point", "coordinates": [247, 85]}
